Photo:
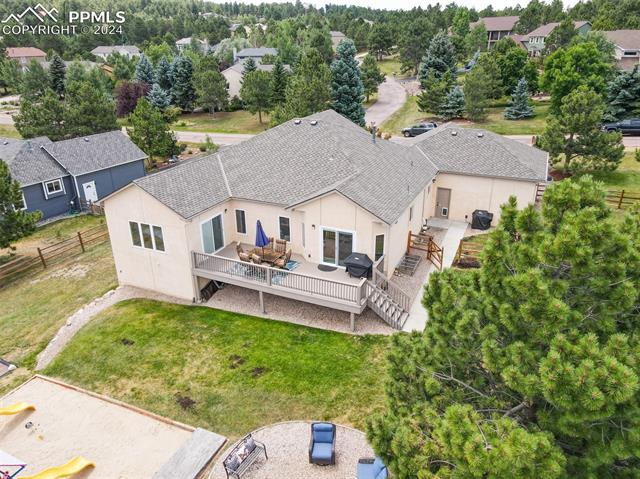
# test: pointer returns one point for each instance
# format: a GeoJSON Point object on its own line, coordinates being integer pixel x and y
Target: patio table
{"type": "Point", "coordinates": [268, 255]}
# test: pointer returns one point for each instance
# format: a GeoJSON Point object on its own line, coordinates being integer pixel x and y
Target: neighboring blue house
{"type": "Point", "coordinates": [58, 177]}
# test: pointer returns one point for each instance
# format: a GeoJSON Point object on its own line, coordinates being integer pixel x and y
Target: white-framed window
{"type": "Point", "coordinates": [212, 234]}
{"type": "Point", "coordinates": [284, 228]}
{"type": "Point", "coordinates": [379, 247]}
{"type": "Point", "coordinates": [144, 235]}
{"type": "Point", "coordinates": [53, 187]}
{"type": "Point", "coordinates": [22, 203]}
{"type": "Point", "coordinates": [241, 222]}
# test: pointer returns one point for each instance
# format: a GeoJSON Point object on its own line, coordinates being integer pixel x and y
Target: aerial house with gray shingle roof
{"type": "Point", "coordinates": [63, 176]}
{"type": "Point", "coordinates": [326, 187]}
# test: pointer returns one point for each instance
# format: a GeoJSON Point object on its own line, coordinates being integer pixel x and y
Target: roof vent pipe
{"type": "Point", "coordinates": [454, 133]}
{"type": "Point", "coordinates": [87, 140]}
{"type": "Point", "coordinates": [297, 122]}
{"type": "Point", "coordinates": [480, 134]}
{"type": "Point", "coordinates": [313, 122]}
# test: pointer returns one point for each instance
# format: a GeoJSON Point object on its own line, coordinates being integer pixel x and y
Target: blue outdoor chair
{"type": "Point", "coordinates": [369, 468]}
{"type": "Point", "coordinates": [322, 447]}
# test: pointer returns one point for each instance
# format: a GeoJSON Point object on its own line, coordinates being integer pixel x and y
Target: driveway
{"type": "Point", "coordinates": [391, 96]}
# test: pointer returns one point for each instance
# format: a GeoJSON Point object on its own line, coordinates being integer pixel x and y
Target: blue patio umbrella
{"type": "Point", "coordinates": [261, 237]}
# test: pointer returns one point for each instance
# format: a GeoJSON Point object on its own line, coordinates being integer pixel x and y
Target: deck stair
{"type": "Point", "coordinates": [383, 304]}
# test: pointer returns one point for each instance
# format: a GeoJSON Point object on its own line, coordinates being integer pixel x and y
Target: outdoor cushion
{"type": "Point", "coordinates": [382, 474]}
{"type": "Point", "coordinates": [321, 451]}
{"type": "Point", "coordinates": [250, 445]}
{"type": "Point", "coordinates": [232, 463]}
{"type": "Point", "coordinates": [323, 433]}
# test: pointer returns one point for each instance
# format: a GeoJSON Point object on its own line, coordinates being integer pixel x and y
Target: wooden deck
{"type": "Point", "coordinates": [334, 289]}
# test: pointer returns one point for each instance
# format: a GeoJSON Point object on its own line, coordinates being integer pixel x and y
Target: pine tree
{"type": "Point", "coordinates": [256, 92]}
{"type": "Point", "coordinates": [453, 106]}
{"type": "Point", "coordinates": [57, 71]}
{"type": "Point", "coordinates": [279, 77]}
{"type": "Point", "coordinates": [150, 131]}
{"type": "Point", "coordinates": [528, 366]}
{"type": "Point", "coordinates": [163, 74]}
{"type": "Point", "coordinates": [41, 117]}
{"type": "Point", "coordinates": [15, 223]}
{"type": "Point", "coordinates": [623, 96]}
{"type": "Point", "coordinates": [476, 93]}
{"type": "Point", "coordinates": [434, 94]}
{"type": "Point", "coordinates": [439, 59]}
{"type": "Point", "coordinates": [347, 91]}
{"type": "Point", "coordinates": [249, 66]}
{"type": "Point", "coordinates": [371, 75]}
{"type": "Point", "coordinates": [211, 90]}
{"type": "Point", "coordinates": [35, 81]}
{"type": "Point", "coordinates": [182, 91]}
{"type": "Point", "coordinates": [144, 71]}
{"type": "Point", "coordinates": [88, 111]}
{"type": "Point", "coordinates": [158, 97]}
{"type": "Point", "coordinates": [519, 107]}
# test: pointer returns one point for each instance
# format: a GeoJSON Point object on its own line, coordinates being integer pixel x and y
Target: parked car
{"type": "Point", "coordinates": [626, 127]}
{"type": "Point", "coordinates": [418, 129]}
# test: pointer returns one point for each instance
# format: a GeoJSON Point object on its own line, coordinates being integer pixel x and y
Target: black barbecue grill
{"type": "Point", "coordinates": [359, 265]}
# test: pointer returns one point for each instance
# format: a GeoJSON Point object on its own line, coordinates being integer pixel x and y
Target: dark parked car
{"type": "Point", "coordinates": [418, 129]}
{"type": "Point", "coordinates": [626, 127]}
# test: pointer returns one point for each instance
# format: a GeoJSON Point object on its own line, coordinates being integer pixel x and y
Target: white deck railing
{"type": "Point", "coordinates": [261, 277]}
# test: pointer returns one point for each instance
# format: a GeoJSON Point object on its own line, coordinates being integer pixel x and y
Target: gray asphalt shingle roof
{"type": "Point", "coordinates": [479, 152]}
{"type": "Point", "coordinates": [28, 163]}
{"type": "Point", "coordinates": [299, 160]}
{"type": "Point", "coordinates": [95, 152]}
{"type": "Point", "coordinates": [257, 52]}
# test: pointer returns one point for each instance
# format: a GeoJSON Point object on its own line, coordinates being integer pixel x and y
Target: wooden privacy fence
{"type": "Point", "coordinates": [77, 244]}
{"type": "Point", "coordinates": [622, 199]}
{"type": "Point", "coordinates": [468, 253]}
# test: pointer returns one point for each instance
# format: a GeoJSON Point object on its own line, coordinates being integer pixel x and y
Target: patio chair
{"type": "Point", "coordinates": [322, 446]}
{"type": "Point", "coordinates": [370, 468]}
{"type": "Point", "coordinates": [244, 257]}
{"type": "Point", "coordinates": [256, 259]}
{"type": "Point", "coordinates": [282, 262]}
{"type": "Point", "coordinates": [280, 246]}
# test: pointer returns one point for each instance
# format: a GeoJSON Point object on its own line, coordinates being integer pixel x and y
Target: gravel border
{"type": "Point", "coordinates": [288, 450]}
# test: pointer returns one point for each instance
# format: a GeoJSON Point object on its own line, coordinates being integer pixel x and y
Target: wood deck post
{"type": "Point", "coordinates": [352, 320]}
{"type": "Point", "coordinates": [261, 295]}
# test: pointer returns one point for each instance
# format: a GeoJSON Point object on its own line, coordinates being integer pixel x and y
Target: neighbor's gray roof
{"type": "Point", "coordinates": [497, 24]}
{"type": "Point", "coordinates": [473, 151]}
{"type": "Point", "coordinates": [108, 49]}
{"type": "Point", "coordinates": [239, 67]}
{"type": "Point", "coordinates": [257, 52]}
{"type": "Point", "coordinates": [625, 39]}
{"type": "Point", "coordinates": [96, 152]}
{"type": "Point", "coordinates": [291, 163]}
{"type": "Point", "coordinates": [545, 30]}
{"type": "Point", "coordinates": [27, 161]}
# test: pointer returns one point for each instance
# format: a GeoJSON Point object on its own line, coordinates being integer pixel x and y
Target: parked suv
{"type": "Point", "coordinates": [626, 127]}
{"type": "Point", "coordinates": [418, 129]}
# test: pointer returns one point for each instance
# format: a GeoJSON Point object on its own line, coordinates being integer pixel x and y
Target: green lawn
{"type": "Point", "coordinates": [34, 307]}
{"type": "Point", "coordinates": [407, 115]}
{"type": "Point", "coordinates": [223, 122]}
{"type": "Point", "coordinates": [9, 131]}
{"type": "Point", "coordinates": [626, 177]}
{"type": "Point", "coordinates": [391, 65]}
{"type": "Point", "coordinates": [241, 372]}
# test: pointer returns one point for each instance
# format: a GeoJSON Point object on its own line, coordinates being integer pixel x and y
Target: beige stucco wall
{"type": "Point", "coordinates": [233, 80]}
{"type": "Point", "coordinates": [168, 272]}
{"type": "Point", "coordinates": [469, 193]}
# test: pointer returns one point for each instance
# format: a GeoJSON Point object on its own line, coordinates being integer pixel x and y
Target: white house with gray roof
{"type": "Point", "coordinates": [58, 177]}
{"type": "Point", "coordinates": [233, 75]}
{"type": "Point", "coordinates": [256, 53]}
{"type": "Point", "coordinates": [104, 51]}
{"type": "Point", "coordinates": [323, 185]}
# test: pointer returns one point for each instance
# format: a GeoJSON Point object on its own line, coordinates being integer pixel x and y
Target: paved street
{"type": "Point", "coordinates": [391, 97]}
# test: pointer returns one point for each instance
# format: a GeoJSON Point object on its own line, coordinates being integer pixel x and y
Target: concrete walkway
{"type": "Point", "coordinates": [456, 230]}
{"type": "Point", "coordinates": [391, 97]}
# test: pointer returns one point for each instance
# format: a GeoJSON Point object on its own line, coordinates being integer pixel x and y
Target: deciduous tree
{"type": "Point", "coordinates": [573, 136]}
{"type": "Point", "coordinates": [528, 366]}
{"type": "Point", "coordinates": [211, 90]}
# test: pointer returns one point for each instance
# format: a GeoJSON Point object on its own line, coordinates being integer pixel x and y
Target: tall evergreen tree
{"type": "Point", "coordinates": [371, 75]}
{"type": "Point", "coordinates": [623, 96]}
{"type": "Point", "coordinates": [35, 81]}
{"type": "Point", "coordinates": [347, 91]}
{"type": "Point", "coordinates": [182, 91]}
{"type": "Point", "coordinates": [57, 71]}
{"type": "Point", "coordinates": [528, 366]}
{"type": "Point", "coordinates": [163, 74]}
{"type": "Point", "coordinates": [453, 105]}
{"type": "Point", "coordinates": [256, 92]}
{"type": "Point", "coordinates": [211, 90]}
{"type": "Point", "coordinates": [439, 59]}
{"type": "Point", "coordinates": [158, 97]}
{"type": "Point", "coordinates": [41, 117]}
{"type": "Point", "coordinates": [144, 71]}
{"type": "Point", "coordinates": [15, 222]}
{"type": "Point", "coordinates": [476, 93]}
{"type": "Point", "coordinates": [150, 131]}
{"type": "Point", "coordinates": [573, 136]}
{"type": "Point", "coordinates": [279, 78]}
{"type": "Point", "coordinates": [380, 40]}
{"type": "Point", "coordinates": [88, 111]}
{"type": "Point", "coordinates": [519, 107]}
{"type": "Point", "coordinates": [434, 94]}
{"type": "Point", "coordinates": [249, 66]}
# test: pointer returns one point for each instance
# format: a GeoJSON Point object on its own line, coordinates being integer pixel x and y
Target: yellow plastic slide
{"type": "Point", "coordinates": [15, 408]}
{"type": "Point", "coordinates": [74, 466]}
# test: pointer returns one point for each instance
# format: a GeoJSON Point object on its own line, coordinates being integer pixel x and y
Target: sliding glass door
{"type": "Point", "coordinates": [212, 235]}
{"type": "Point", "coordinates": [336, 246]}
